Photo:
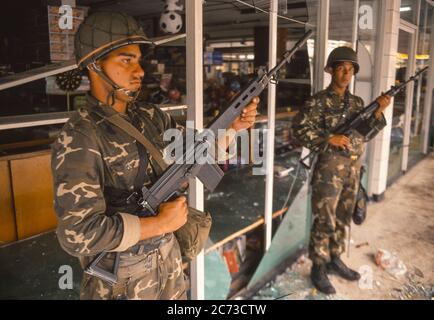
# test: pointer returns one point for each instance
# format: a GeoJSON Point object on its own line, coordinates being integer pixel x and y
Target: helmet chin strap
{"type": "Point", "coordinates": [132, 95]}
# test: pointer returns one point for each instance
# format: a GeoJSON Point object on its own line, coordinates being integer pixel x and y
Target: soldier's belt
{"type": "Point", "coordinates": [162, 243]}
{"type": "Point", "coordinates": [331, 156]}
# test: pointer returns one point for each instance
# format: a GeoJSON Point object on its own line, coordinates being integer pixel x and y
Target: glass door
{"type": "Point", "coordinates": [401, 120]}
{"type": "Point", "coordinates": [418, 115]}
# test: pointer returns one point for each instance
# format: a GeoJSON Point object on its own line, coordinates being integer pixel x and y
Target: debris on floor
{"type": "Point", "coordinates": [281, 172]}
{"type": "Point", "coordinates": [418, 272]}
{"type": "Point", "coordinates": [362, 244]}
{"type": "Point", "coordinates": [414, 289]}
{"type": "Point", "coordinates": [390, 262]}
{"type": "Point", "coordinates": [290, 285]}
{"type": "Point", "coordinates": [302, 262]}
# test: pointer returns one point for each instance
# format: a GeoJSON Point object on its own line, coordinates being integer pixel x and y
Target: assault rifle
{"type": "Point", "coordinates": [174, 179]}
{"type": "Point", "coordinates": [357, 122]}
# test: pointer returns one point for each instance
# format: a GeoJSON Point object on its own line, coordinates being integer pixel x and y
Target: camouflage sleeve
{"type": "Point", "coordinates": [83, 228]}
{"type": "Point", "coordinates": [307, 127]}
{"type": "Point", "coordinates": [166, 120]}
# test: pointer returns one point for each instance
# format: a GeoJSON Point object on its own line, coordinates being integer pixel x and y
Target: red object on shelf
{"type": "Point", "coordinates": [231, 260]}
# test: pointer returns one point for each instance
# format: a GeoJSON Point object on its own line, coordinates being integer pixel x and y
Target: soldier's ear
{"type": "Point", "coordinates": [329, 70]}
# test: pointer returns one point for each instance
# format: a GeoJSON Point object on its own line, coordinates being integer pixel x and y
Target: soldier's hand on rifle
{"type": "Point", "coordinates": [173, 214]}
{"type": "Point", "coordinates": [383, 102]}
{"type": "Point", "coordinates": [247, 117]}
{"type": "Point", "coordinates": [340, 141]}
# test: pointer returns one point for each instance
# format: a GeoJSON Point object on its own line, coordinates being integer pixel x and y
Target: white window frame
{"type": "Point", "coordinates": [412, 30]}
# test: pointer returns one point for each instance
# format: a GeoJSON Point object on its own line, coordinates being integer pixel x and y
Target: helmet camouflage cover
{"type": "Point", "coordinates": [343, 54]}
{"type": "Point", "coordinates": [105, 31]}
{"type": "Point", "coordinates": [102, 32]}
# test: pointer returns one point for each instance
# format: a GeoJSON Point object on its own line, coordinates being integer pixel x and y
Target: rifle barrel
{"type": "Point", "coordinates": [395, 89]}
{"type": "Point", "coordinates": [288, 54]}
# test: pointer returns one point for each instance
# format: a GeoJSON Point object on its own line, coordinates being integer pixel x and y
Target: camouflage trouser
{"type": "Point", "coordinates": [335, 184]}
{"type": "Point", "coordinates": [152, 275]}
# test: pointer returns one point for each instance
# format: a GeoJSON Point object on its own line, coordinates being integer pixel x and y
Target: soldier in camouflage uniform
{"type": "Point", "coordinates": [95, 165]}
{"type": "Point", "coordinates": [335, 179]}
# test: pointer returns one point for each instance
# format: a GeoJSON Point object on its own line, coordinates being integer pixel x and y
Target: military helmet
{"type": "Point", "coordinates": [102, 32]}
{"type": "Point", "coordinates": [343, 54]}
{"type": "Point", "coordinates": [105, 31]}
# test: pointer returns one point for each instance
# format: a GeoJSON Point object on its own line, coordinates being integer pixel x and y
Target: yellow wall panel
{"type": "Point", "coordinates": [8, 230]}
{"type": "Point", "coordinates": [33, 195]}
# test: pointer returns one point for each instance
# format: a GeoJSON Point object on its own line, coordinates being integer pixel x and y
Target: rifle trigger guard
{"type": "Point", "coordinates": [132, 196]}
{"type": "Point", "coordinates": [145, 205]}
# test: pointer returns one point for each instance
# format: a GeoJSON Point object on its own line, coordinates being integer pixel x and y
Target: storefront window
{"type": "Point", "coordinates": [341, 21]}
{"type": "Point", "coordinates": [366, 40]}
{"type": "Point", "coordinates": [398, 120]}
{"type": "Point", "coordinates": [409, 11]}
{"type": "Point", "coordinates": [313, 11]}
{"type": "Point", "coordinates": [422, 60]}
{"type": "Point", "coordinates": [292, 227]}
{"type": "Point", "coordinates": [341, 27]}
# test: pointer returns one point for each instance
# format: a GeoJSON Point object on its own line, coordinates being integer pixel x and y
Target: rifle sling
{"type": "Point", "coordinates": [128, 128]}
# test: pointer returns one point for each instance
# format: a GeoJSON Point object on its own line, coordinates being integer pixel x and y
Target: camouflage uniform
{"type": "Point", "coordinates": [336, 175]}
{"type": "Point", "coordinates": [90, 157]}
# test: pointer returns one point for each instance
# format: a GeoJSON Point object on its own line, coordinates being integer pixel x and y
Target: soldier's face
{"type": "Point", "coordinates": [123, 67]}
{"type": "Point", "coordinates": [342, 74]}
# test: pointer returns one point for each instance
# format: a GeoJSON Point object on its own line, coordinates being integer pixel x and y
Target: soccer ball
{"type": "Point", "coordinates": [171, 5]}
{"type": "Point", "coordinates": [170, 22]}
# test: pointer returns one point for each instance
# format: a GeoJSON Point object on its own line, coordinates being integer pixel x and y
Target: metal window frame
{"type": "Point", "coordinates": [413, 31]}
{"type": "Point", "coordinates": [271, 102]}
{"type": "Point", "coordinates": [355, 38]}
{"type": "Point", "coordinates": [321, 42]}
{"type": "Point", "coordinates": [43, 119]}
{"type": "Point", "coordinates": [427, 111]}
{"type": "Point", "coordinates": [36, 74]}
{"type": "Point", "coordinates": [194, 60]}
